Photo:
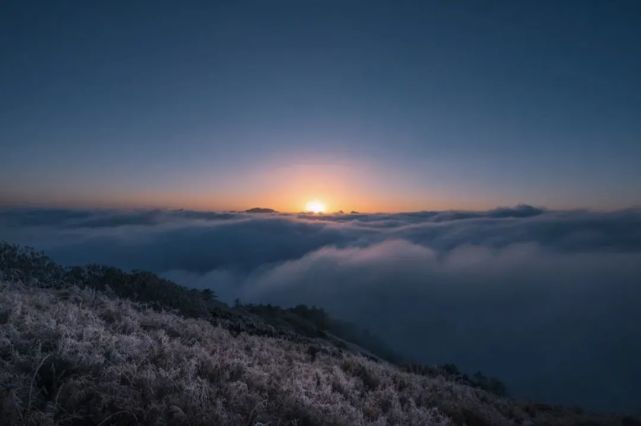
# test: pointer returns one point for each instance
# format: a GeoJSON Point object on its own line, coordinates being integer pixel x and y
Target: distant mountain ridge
{"type": "Point", "coordinates": [260, 210]}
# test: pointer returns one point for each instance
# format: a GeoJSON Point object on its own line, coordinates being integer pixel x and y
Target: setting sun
{"type": "Point", "coordinates": [360, 212]}
{"type": "Point", "coordinates": [315, 206]}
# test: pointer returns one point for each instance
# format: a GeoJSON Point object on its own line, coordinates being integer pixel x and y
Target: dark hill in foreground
{"type": "Point", "coordinates": [98, 346]}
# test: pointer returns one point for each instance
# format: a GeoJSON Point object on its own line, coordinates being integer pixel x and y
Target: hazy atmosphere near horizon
{"type": "Point", "coordinates": [460, 178]}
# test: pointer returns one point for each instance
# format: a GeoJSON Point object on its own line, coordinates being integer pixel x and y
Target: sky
{"type": "Point", "coordinates": [365, 105]}
{"type": "Point", "coordinates": [492, 149]}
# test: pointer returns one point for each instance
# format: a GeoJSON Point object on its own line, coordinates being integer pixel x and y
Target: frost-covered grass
{"type": "Point", "coordinates": [77, 356]}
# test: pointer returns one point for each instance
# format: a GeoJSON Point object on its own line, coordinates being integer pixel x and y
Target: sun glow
{"type": "Point", "coordinates": [315, 207]}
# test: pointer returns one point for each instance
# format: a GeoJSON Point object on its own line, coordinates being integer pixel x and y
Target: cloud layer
{"type": "Point", "coordinates": [549, 301]}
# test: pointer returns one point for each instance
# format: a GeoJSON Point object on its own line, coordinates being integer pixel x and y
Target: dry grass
{"type": "Point", "coordinates": [76, 356]}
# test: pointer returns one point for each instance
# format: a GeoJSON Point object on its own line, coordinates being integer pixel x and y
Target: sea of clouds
{"type": "Point", "coordinates": [548, 301]}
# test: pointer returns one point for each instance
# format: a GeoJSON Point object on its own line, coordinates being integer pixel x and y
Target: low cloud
{"type": "Point", "coordinates": [546, 300]}
{"type": "Point", "coordinates": [555, 326]}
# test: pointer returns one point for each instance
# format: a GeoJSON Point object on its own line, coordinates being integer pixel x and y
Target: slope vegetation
{"type": "Point", "coordinates": [79, 349]}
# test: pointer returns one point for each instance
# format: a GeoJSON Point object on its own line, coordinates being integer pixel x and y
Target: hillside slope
{"type": "Point", "coordinates": [76, 355]}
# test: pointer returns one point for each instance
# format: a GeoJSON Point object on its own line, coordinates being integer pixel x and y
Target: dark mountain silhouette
{"type": "Point", "coordinates": [260, 210]}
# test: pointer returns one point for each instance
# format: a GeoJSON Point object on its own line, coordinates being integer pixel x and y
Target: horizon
{"type": "Point", "coordinates": [462, 178]}
{"type": "Point", "coordinates": [368, 106]}
{"type": "Point", "coordinates": [303, 211]}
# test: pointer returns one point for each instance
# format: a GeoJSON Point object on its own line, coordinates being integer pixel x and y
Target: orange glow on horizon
{"type": "Point", "coordinates": [356, 186]}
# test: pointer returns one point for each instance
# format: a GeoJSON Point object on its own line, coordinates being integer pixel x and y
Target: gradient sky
{"type": "Point", "coordinates": [366, 105]}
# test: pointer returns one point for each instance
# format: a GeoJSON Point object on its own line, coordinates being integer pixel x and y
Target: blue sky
{"type": "Point", "coordinates": [374, 106]}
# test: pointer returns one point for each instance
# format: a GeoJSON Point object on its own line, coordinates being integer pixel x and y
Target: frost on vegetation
{"type": "Point", "coordinates": [78, 356]}
{"type": "Point", "coordinates": [89, 358]}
